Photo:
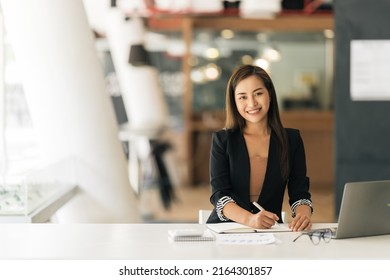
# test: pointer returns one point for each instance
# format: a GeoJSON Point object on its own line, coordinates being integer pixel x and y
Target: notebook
{"type": "Point", "coordinates": [188, 235]}
{"type": "Point", "coordinates": [232, 227]}
{"type": "Point", "coordinates": [365, 210]}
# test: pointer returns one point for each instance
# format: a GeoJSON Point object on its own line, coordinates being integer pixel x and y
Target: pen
{"type": "Point", "coordinates": [258, 206]}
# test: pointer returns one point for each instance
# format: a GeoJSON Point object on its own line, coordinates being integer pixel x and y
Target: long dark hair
{"type": "Point", "coordinates": [235, 121]}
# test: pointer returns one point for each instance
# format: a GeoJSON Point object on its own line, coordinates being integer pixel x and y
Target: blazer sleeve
{"type": "Point", "coordinates": [219, 168]}
{"type": "Point", "coordinates": [298, 182]}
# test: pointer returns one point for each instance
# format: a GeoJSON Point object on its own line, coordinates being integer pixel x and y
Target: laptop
{"type": "Point", "coordinates": [365, 210]}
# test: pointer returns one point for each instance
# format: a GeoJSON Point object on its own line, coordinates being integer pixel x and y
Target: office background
{"type": "Point", "coordinates": [345, 140]}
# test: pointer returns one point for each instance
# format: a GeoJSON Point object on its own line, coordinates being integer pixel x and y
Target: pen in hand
{"type": "Point", "coordinates": [258, 206]}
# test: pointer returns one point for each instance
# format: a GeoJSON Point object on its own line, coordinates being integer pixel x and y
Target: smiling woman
{"type": "Point", "coordinates": [254, 158]}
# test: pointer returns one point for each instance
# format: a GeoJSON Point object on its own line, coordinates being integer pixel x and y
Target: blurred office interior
{"type": "Point", "coordinates": [117, 100]}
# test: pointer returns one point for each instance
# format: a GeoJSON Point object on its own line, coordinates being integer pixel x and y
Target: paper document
{"type": "Point", "coordinates": [252, 239]}
{"type": "Point", "coordinates": [370, 67]}
{"type": "Point", "coordinates": [232, 227]}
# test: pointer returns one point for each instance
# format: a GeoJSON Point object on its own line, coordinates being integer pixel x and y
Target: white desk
{"type": "Point", "coordinates": [150, 241]}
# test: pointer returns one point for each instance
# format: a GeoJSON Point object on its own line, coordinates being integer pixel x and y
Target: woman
{"type": "Point", "coordinates": [254, 158]}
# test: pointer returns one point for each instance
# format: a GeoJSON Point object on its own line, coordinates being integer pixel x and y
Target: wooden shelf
{"type": "Point", "coordinates": [280, 23]}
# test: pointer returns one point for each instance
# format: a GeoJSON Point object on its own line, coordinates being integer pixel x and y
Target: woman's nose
{"type": "Point", "coordinates": [252, 101]}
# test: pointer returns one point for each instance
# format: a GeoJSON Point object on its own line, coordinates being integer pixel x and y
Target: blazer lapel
{"type": "Point", "coordinates": [240, 167]}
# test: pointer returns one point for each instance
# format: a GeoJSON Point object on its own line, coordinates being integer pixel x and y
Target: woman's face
{"type": "Point", "coordinates": [252, 100]}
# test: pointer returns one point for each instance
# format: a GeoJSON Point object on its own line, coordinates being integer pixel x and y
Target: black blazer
{"type": "Point", "coordinates": [230, 172]}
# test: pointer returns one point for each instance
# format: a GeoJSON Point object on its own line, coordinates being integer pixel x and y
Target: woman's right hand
{"type": "Point", "coordinates": [263, 219]}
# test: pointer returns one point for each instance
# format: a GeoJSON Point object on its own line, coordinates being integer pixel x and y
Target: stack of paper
{"type": "Point", "coordinates": [190, 235]}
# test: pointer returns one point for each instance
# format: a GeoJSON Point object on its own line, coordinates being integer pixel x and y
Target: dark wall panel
{"type": "Point", "coordinates": [362, 128]}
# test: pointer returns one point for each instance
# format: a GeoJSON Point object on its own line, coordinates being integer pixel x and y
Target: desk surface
{"type": "Point", "coordinates": [150, 241]}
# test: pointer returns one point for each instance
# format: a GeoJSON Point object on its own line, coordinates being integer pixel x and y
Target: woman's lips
{"type": "Point", "coordinates": [254, 111]}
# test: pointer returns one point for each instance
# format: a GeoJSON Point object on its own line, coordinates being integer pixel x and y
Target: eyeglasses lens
{"type": "Point", "coordinates": [327, 235]}
{"type": "Point", "coordinates": [316, 237]}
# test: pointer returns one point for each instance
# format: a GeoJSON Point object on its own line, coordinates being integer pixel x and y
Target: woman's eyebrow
{"type": "Point", "coordinates": [260, 88]}
{"type": "Point", "coordinates": [242, 93]}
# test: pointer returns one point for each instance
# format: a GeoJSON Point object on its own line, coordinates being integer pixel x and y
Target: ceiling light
{"type": "Point", "coordinates": [227, 34]}
{"type": "Point", "coordinates": [212, 53]}
{"type": "Point", "coordinates": [263, 63]}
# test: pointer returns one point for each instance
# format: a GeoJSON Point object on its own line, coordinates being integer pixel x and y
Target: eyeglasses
{"type": "Point", "coordinates": [317, 235]}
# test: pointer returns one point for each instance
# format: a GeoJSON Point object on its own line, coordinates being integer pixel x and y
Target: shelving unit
{"type": "Point", "coordinates": [187, 24]}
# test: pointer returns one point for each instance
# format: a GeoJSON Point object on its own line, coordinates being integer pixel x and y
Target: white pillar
{"type": "Point", "coordinates": [71, 112]}
{"type": "Point", "coordinates": [143, 97]}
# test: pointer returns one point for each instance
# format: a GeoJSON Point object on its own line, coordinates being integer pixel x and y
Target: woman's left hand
{"type": "Point", "coordinates": [302, 219]}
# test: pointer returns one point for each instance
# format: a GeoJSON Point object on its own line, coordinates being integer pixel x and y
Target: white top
{"type": "Point", "coordinates": [150, 241]}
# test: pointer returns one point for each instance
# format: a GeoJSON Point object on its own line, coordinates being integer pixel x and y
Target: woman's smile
{"type": "Point", "coordinates": [253, 111]}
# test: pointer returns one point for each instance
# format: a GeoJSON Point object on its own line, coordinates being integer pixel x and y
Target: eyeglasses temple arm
{"type": "Point", "coordinates": [298, 237]}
